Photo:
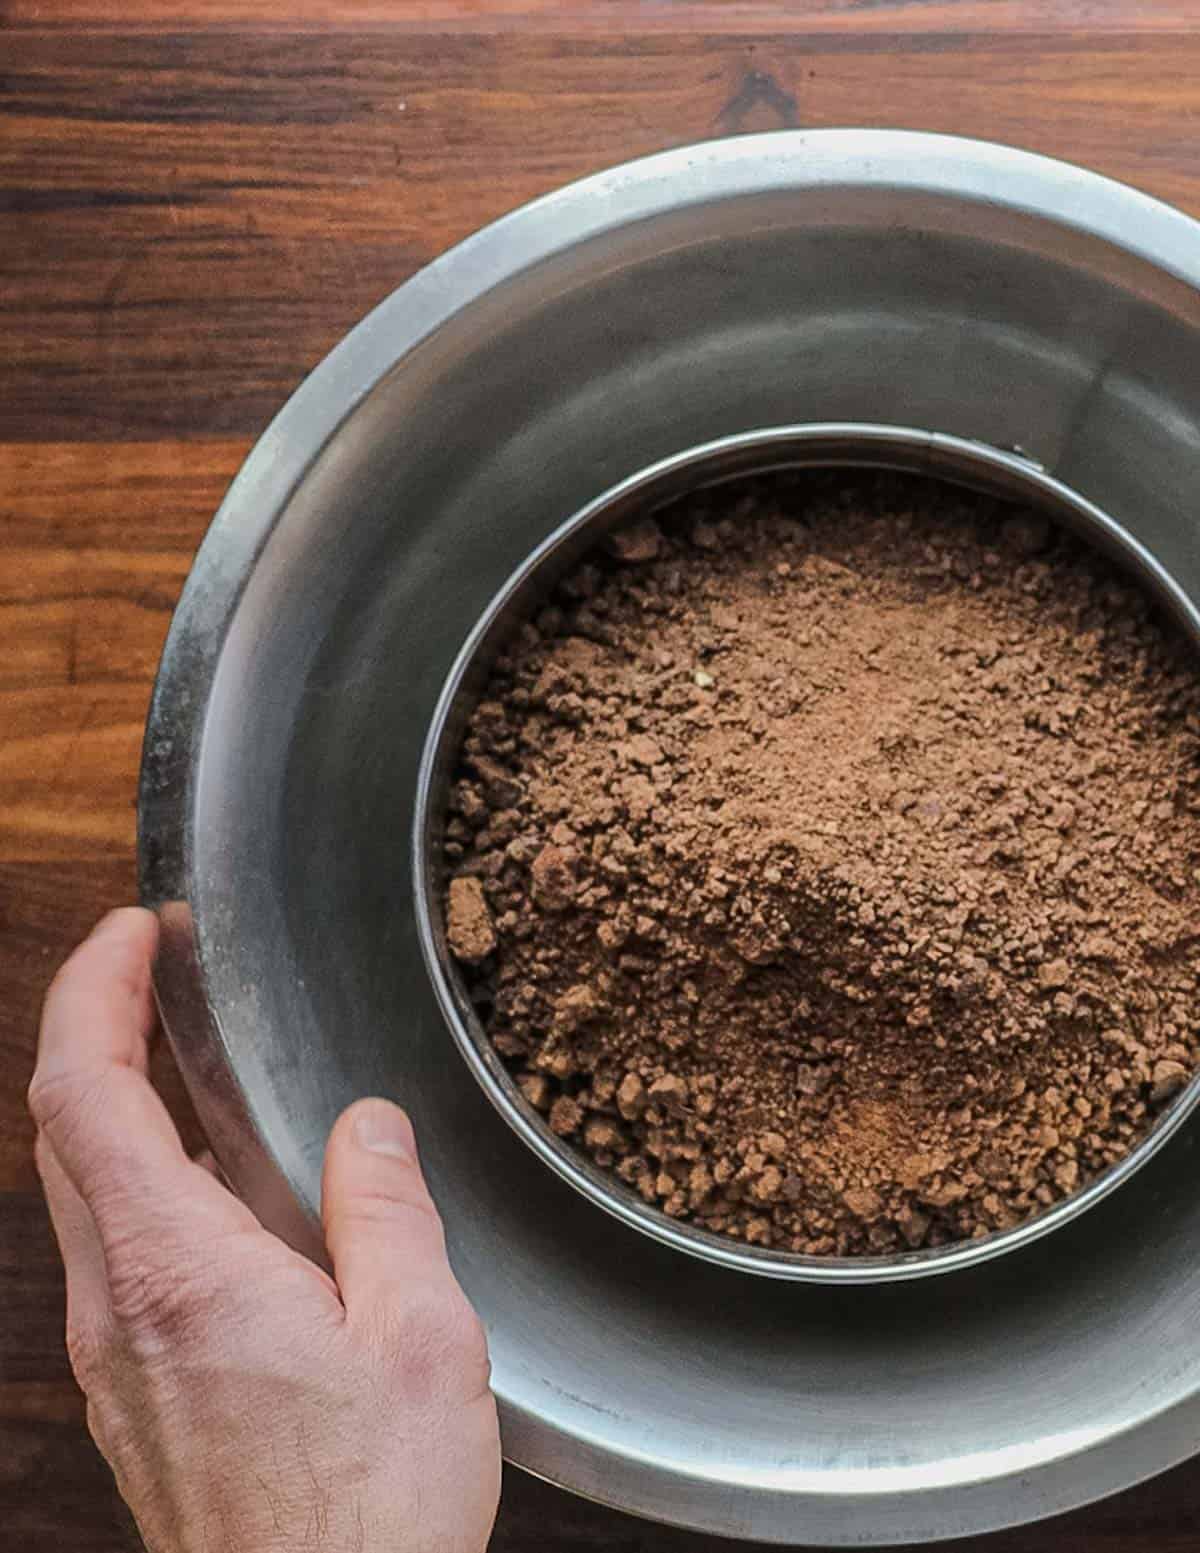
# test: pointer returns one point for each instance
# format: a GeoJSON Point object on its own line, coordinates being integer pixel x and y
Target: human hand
{"type": "Point", "coordinates": [246, 1401]}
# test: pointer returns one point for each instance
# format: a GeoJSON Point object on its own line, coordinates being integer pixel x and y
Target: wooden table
{"type": "Point", "coordinates": [198, 203]}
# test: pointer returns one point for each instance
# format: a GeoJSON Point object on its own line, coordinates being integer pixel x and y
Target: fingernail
{"type": "Point", "coordinates": [384, 1129]}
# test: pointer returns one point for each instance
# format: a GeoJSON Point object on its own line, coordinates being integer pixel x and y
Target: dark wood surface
{"type": "Point", "coordinates": [197, 200]}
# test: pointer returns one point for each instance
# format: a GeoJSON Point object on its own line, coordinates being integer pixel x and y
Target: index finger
{"type": "Point", "coordinates": [90, 1095]}
{"type": "Point", "coordinates": [100, 1007]}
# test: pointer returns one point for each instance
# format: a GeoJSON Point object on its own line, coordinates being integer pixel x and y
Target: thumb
{"type": "Point", "coordinates": [382, 1230]}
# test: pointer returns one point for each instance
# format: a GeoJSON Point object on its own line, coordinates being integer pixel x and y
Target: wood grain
{"type": "Point", "coordinates": [621, 16]}
{"type": "Point", "coordinates": [199, 197]}
{"type": "Point", "coordinates": [216, 212]}
{"type": "Point", "coordinates": [98, 538]}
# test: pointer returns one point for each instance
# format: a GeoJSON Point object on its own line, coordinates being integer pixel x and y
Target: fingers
{"type": "Point", "coordinates": [89, 1093]}
{"type": "Point", "coordinates": [100, 1007]}
{"type": "Point", "coordinates": [381, 1227]}
{"type": "Point", "coordinates": [107, 1128]}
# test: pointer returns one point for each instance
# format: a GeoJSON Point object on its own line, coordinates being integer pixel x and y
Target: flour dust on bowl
{"type": "Point", "coordinates": [844, 277]}
{"type": "Point", "coordinates": [805, 869]}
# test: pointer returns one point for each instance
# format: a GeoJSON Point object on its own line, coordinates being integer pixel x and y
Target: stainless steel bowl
{"type": "Point", "coordinates": [852, 276]}
{"type": "Point", "coordinates": [983, 468]}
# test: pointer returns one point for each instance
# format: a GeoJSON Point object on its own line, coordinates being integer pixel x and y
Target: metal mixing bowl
{"type": "Point", "coordinates": [853, 276]}
{"type": "Point", "coordinates": [971, 464]}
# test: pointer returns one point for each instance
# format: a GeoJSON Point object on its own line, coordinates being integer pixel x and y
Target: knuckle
{"type": "Point", "coordinates": [158, 1303]}
{"type": "Point", "coordinates": [55, 1098]}
{"type": "Point", "coordinates": [64, 1107]}
{"type": "Point", "coordinates": [434, 1314]}
{"type": "Point", "coordinates": [379, 1207]}
{"type": "Point", "coordinates": [436, 1339]}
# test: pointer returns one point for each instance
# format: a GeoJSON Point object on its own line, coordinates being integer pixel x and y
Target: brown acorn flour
{"type": "Point", "coordinates": [825, 862]}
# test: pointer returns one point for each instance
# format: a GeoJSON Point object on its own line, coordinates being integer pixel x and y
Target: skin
{"type": "Point", "coordinates": [244, 1399]}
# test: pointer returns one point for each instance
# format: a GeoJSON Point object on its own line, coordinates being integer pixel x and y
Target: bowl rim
{"type": "Point", "coordinates": [826, 445]}
{"type": "Point", "coordinates": [267, 1173]}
